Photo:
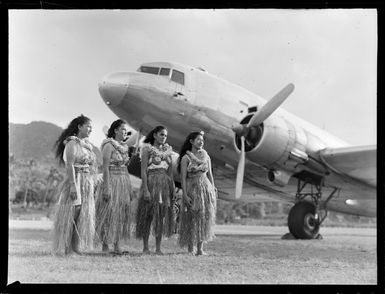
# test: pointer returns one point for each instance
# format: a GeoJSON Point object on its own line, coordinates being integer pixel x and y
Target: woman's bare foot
{"type": "Point", "coordinates": [105, 247]}
{"type": "Point", "coordinates": [146, 251]}
{"type": "Point", "coordinates": [76, 250]}
{"type": "Point", "coordinates": [68, 251]}
{"type": "Point", "coordinates": [200, 252]}
{"type": "Point", "coordinates": [117, 250]}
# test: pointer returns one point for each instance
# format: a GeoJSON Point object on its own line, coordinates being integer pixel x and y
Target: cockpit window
{"type": "Point", "coordinates": [150, 69]}
{"type": "Point", "coordinates": [164, 71]}
{"type": "Point", "coordinates": [177, 76]}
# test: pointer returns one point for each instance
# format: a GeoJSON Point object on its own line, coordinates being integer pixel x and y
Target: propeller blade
{"type": "Point", "coordinates": [240, 170]}
{"type": "Point", "coordinates": [138, 138]}
{"type": "Point", "coordinates": [271, 106]}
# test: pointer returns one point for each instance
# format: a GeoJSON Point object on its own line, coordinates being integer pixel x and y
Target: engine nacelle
{"type": "Point", "coordinates": [279, 177]}
{"type": "Point", "coordinates": [268, 142]}
{"type": "Point", "coordinates": [282, 147]}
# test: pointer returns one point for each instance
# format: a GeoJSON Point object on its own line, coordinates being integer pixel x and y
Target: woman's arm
{"type": "Point", "coordinates": [171, 175]}
{"type": "Point", "coordinates": [183, 177]}
{"type": "Point", "coordinates": [210, 173]}
{"type": "Point", "coordinates": [70, 152]}
{"type": "Point", "coordinates": [144, 163]}
{"type": "Point", "coordinates": [170, 169]}
{"type": "Point", "coordinates": [107, 151]}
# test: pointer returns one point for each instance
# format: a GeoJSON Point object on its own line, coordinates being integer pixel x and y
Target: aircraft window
{"type": "Point", "coordinates": [177, 77]}
{"type": "Point", "coordinates": [164, 71]}
{"type": "Point", "coordinates": [149, 69]}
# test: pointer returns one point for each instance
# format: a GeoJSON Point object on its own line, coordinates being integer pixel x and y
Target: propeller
{"type": "Point", "coordinates": [137, 141]}
{"type": "Point", "coordinates": [240, 170]}
{"type": "Point", "coordinates": [258, 118]}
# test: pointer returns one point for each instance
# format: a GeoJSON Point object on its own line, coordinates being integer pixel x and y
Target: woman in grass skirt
{"type": "Point", "coordinates": [114, 204]}
{"type": "Point", "coordinates": [74, 222]}
{"type": "Point", "coordinates": [155, 208]}
{"type": "Point", "coordinates": [198, 208]}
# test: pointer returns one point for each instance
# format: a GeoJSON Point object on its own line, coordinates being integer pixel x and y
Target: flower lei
{"type": "Point", "coordinates": [201, 160]}
{"type": "Point", "coordinates": [122, 149]}
{"type": "Point", "coordinates": [162, 152]}
{"type": "Point", "coordinates": [83, 142]}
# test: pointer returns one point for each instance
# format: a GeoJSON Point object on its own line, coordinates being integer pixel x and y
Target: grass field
{"type": "Point", "coordinates": [244, 255]}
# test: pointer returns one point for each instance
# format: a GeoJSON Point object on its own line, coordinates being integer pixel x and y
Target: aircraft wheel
{"type": "Point", "coordinates": [302, 222]}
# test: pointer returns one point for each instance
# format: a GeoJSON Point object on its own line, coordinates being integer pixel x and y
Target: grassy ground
{"type": "Point", "coordinates": [348, 258]}
{"type": "Point", "coordinates": [37, 213]}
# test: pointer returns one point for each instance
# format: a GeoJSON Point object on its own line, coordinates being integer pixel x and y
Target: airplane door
{"type": "Point", "coordinates": [179, 90]}
{"type": "Point", "coordinates": [179, 80]}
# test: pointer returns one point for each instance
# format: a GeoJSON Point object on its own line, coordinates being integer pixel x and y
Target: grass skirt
{"type": "Point", "coordinates": [115, 217]}
{"type": "Point", "coordinates": [156, 216]}
{"type": "Point", "coordinates": [196, 224]}
{"type": "Point", "coordinates": [65, 212]}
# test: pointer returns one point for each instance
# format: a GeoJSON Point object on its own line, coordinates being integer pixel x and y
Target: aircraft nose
{"type": "Point", "coordinates": [113, 87]}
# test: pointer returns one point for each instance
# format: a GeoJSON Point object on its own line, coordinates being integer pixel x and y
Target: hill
{"type": "Point", "coordinates": [35, 141]}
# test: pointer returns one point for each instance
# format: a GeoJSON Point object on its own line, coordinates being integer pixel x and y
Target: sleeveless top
{"type": "Point", "coordinates": [84, 155]}
{"type": "Point", "coordinates": [119, 155]}
{"type": "Point", "coordinates": [159, 158]}
{"type": "Point", "coordinates": [198, 164]}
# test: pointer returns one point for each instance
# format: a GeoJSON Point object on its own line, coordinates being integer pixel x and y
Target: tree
{"type": "Point", "coordinates": [32, 163]}
{"type": "Point", "coordinates": [52, 181]}
{"type": "Point", "coordinates": [262, 208]}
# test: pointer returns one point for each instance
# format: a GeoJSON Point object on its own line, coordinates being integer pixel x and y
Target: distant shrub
{"type": "Point", "coordinates": [39, 179]}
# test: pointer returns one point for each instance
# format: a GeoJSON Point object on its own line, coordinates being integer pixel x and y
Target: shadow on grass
{"type": "Point", "coordinates": [100, 254]}
{"type": "Point", "coordinates": [252, 236]}
{"type": "Point", "coordinates": [33, 254]}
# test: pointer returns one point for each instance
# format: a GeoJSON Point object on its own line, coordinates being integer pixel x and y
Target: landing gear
{"type": "Point", "coordinates": [306, 217]}
{"type": "Point", "coordinates": [302, 221]}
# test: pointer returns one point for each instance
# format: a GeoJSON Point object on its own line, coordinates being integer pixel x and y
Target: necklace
{"type": "Point", "coordinates": [200, 157]}
{"type": "Point", "coordinates": [83, 142]}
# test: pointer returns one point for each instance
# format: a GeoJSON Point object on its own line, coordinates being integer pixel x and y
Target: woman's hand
{"type": "Point", "coordinates": [146, 195]}
{"type": "Point", "coordinates": [173, 197]}
{"type": "Point", "coordinates": [106, 197]}
{"type": "Point", "coordinates": [73, 194]}
{"type": "Point", "coordinates": [187, 200]}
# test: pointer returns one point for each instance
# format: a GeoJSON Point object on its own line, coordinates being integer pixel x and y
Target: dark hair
{"type": "Point", "coordinates": [150, 136]}
{"type": "Point", "coordinates": [71, 130]}
{"type": "Point", "coordinates": [187, 145]}
{"type": "Point", "coordinates": [115, 125]}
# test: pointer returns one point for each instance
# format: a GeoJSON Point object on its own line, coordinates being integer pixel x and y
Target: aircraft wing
{"type": "Point", "coordinates": [354, 167]}
{"type": "Point", "coordinates": [357, 162]}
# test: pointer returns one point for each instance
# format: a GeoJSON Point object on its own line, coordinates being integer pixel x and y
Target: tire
{"type": "Point", "coordinates": [301, 221]}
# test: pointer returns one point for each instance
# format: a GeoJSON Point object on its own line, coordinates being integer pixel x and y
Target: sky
{"type": "Point", "coordinates": [57, 58]}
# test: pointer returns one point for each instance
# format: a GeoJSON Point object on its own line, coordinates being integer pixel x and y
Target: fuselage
{"type": "Point", "coordinates": [185, 98]}
{"type": "Point", "coordinates": [203, 102]}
